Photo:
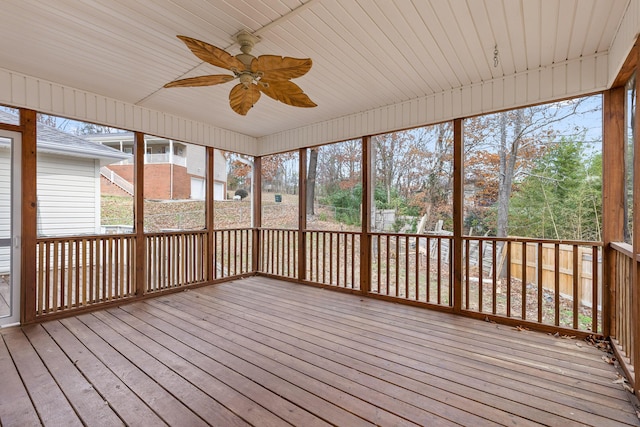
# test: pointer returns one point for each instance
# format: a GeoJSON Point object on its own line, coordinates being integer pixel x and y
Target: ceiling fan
{"type": "Point", "coordinates": [268, 74]}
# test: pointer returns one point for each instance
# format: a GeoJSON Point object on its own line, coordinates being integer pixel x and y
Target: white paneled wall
{"type": "Point", "coordinates": [18, 90]}
{"type": "Point", "coordinates": [624, 39]}
{"type": "Point", "coordinates": [567, 79]}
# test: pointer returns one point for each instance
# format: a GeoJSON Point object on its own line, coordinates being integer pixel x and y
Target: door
{"type": "Point", "coordinates": [9, 228]}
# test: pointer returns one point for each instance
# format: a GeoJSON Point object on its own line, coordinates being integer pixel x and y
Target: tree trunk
{"type": "Point", "coordinates": [311, 180]}
{"type": "Point", "coordinates": [508, 160]}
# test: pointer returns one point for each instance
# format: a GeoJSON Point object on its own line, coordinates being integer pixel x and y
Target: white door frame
{"type": "Point", "coordinates": [16, 222]}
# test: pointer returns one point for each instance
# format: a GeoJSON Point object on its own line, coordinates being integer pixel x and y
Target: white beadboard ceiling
{"type": "Point", "coordinates": [366, 54]}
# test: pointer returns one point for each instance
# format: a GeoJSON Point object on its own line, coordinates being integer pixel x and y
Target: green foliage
{"type": "Point", "coordinates": [347, 204]}
{"type": "Point", "coordinates": [561, 198]}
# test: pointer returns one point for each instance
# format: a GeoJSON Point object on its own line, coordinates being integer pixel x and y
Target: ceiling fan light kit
{"type": "Point", "coordinates": [268, 74]}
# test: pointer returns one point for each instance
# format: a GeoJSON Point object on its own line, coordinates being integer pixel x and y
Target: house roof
{"type": "Point", "coordinates": [378, 65]}
{"type": "Point", "coordinates": [54, 141]}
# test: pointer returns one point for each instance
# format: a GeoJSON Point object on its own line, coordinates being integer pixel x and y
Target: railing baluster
{"type": "Point", "coordinates": [556, 282]}
{"type": "Point", "coordinates": [508, 259]}
{"type": "Point", "coordinates": [494, 277]}
{"type": "Point", "coordinates": [595, 301]}
{"type": "Point", "coordinates": [540, 273]}
{"type": "Point", "coordinates": [524, 281]}
{"type": "Point", "coordinates": [576, 296]}
{"type": "Point", "coordinates": [439, 270]}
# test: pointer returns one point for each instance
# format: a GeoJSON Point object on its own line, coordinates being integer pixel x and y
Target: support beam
{"type": "Point", "coordinates": [367, 194]}
{"type": "Point", "coordinates": [29, 216]}
{"type": "Point", "coordinates": [138, 213]}
{"type": "Point", "coordinates": [635, 292]}
{"type": "Point", "coordinates": [302, 215]}
{"type": "Point", "coordinates": [209, 217]}
{"type": "Point", "coordinates": [458, 212]}
{"type": "Point", "coordinates": [256, 195]}
{"type": "Point", "coordinates": [613, 197]}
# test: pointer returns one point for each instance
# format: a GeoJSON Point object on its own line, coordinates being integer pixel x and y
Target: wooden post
{"type": "Point", "coordinates": [138, 209]}
{"type": "Point", "coordinates": [458, 212]}
{"type": "Point", "coordinates": [635, 293]}
{"type": "Point", "coordinates": [209, 214]}
{"type": "Point", "coordinates": [256, 194]}
{"type": "Point", "coordinates": [613, 198]}
{"type": "Point", "coordinates": [367, 194]}
{"type": "Point", "coordinates": [29, 217]}
{"type": "Point", "coordinates": [302, 215]}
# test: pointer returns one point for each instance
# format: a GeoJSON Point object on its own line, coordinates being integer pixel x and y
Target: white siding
{"type": "Point", "coordinates": [68, 203]}
{"type": "Point", "coordinates": [19, 90]}
{"type": "Point", "coordinates": [563, 80]}
{"type": "Point", "coordinates": [625, 38]}
{"type": "Point", "coordinates": [5, 206]}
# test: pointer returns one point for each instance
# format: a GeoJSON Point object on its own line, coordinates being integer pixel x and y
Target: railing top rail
{"type": "Point", "coordinates": [52, 239]}
{"type": "Point", "coordinates": [431, 236]}
{"type": "Point", "coordinates": [333, 231]}
{"type": "Point", "coordinates": [534, 240]}
{"type": "Point", "coordinates": [277, 229]}
{"type": "Point", "coordinates": [622, 247]}
{"type": "Point", "coordinates": [175, 233]}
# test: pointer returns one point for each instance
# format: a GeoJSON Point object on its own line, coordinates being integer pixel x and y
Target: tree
{"type": "Point", "coordinates": [561, 197]}
{"type": "Point", "coordinates": [311, 179]}
{"type": "Point", "coordinates": [508, 143]}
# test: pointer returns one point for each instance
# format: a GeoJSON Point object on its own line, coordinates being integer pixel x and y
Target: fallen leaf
{"type": "Point", "coordinates": [619, 381]}
{"type": "Point", "coordinates": [627, 387]}
{"type": "Point", "coordinates": [521, 328]}
{"type": "Point", "coordinates": [568, 337]}
{"type": "Point", "coordinates": [609, 360]}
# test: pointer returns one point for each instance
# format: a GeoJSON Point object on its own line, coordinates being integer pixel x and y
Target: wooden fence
{"type": "Point", "coordinates": [567, 257]}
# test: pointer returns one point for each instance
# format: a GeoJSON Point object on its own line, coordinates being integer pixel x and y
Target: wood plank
{"type": "Point", "coordinates": [368, 394]}
{"type": "Point", "coordinates": [196, 376]}
{"type": "Point", "coordinates": [508, 370]}
{"type": "Point", "coordinates": [86, 402]}
{"type": "Point", "coordinates": [445, 370]}
{"type": "Point", "coordinates": [131, 409]}
{"type": "Point", "coordinates": [355, 313]}
{"type": "Point", "coordinates": [49, 401]}
{"type": "Point", "coordinates": [161, 401]}
{"type": "Point", "coordinates": [215, 371]}
{"type": "Point", "coordinates": [265, 374]}
{"type": "Point", "coordinates": [260, 351]}
{"type": "Point", "coordinates": [325, 356]}
{"type": "Point", "coordinates": [15, 405]}
{"type": "Point", "coordinates": [209, 410]}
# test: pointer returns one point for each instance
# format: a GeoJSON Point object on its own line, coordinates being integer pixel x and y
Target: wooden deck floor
{"type": "Point", "coordinates": [267, 353]}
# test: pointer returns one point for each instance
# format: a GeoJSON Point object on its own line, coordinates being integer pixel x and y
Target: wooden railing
{"type": "Point", "coordinates": [232, 252]}
{"type": "Point", "coordinates": [541, 281]}
{"type": "Point", "coordinates": [175, 259]}
{"type": "Point", "coordinates": [75, 272]}
{"type": "Point", "coordinates": [412, 267]}
{"type": "Point", "coordinates": [279, 252]}
{"type": "Point", "coordinates": [333, 258]}
{"type": "Point", "coordinates": [621, 308]}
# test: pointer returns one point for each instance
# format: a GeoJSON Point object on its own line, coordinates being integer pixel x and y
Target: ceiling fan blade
{"type": "Point", "coordinates": [276, 67]}
{"type": "Point", "coordinates": [214, 79]}
{"type": "Point", "coordinates": [242, 98]}
{"type": "Point", "coordinates": [286, 92]}
{"type": "Point", "coordinates": [211, 54]}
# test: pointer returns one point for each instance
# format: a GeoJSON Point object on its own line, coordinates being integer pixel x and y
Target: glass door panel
{"type": "Point", "coordinates": [9, 228]}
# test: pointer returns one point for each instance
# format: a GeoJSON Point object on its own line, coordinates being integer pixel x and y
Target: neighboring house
{"type": "Point", "coordinates": [173, 170]}
{"type": "Point", "coordinates": [68, 183]}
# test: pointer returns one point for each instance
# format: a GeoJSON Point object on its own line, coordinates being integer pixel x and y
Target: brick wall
{"type": "Point", "coordinates": [157, 180]}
